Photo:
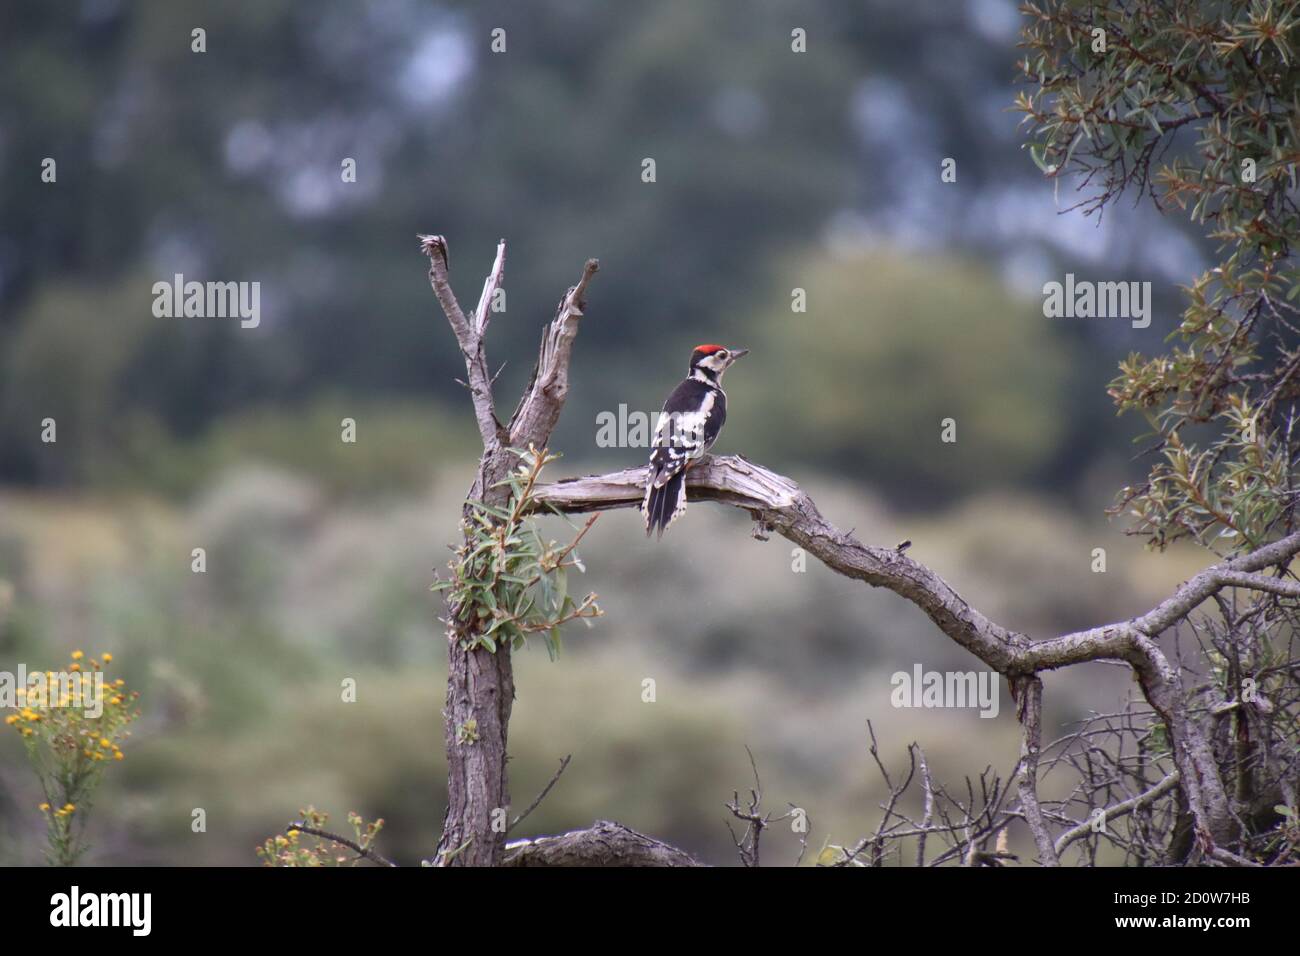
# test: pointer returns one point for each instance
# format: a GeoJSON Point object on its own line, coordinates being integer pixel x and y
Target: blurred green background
{"type": "Point", "coordinates": [776, 170]}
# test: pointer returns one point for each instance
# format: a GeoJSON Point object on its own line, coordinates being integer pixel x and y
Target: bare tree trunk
{"type": "Point", "coordinates": [480, 695]}
{"type": "Point", "coordinates": [480, 683]}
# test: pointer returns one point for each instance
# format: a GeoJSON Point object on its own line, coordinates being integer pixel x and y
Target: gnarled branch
{"type": "Point", "coordinates": [1119, 810]}
{"type": "Point", "coordinates": [1030, 694]}
{"type": "Point", "coordinates": [604, 844]}
{"type": "Point", "coordinates": [543, 400]}
{"type": "Point", "coordinates": [778, 504]}
{"type": "Point", "coordinates": [469, 335]}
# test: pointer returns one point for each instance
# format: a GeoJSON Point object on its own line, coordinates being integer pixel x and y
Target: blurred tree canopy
{"type": "Point", "coordinates": [225, 165]}
{"type": "Point", "coordinates": [882, 335]}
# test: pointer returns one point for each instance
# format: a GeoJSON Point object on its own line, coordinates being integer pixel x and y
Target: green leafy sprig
{"type": "Point", "coordinates": [507, 581]}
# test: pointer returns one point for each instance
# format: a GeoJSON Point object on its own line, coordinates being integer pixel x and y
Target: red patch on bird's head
{"type": "Point", "coordinates": [709, 349]}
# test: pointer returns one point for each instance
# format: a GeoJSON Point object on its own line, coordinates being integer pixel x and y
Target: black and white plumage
{"type": "Point", "coordinates": [688, 426]}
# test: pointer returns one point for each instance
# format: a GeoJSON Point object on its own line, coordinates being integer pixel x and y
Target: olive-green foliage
{"type": "Point", "coordinates": [398, 445]}
{"type": "Point", "coordinates": [70, 359]}
{"type": "Point", "coordinates": [507, 581]}
{"type": "Point", "coordinates": [1195, 104]}
{"type": "Point", "coordinates": [92, 358]}
{"type": "Point", "coordinates": [891, 345]}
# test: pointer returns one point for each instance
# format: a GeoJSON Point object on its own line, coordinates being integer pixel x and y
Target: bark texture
{"type": "Point", "coordinates": [604, 844]}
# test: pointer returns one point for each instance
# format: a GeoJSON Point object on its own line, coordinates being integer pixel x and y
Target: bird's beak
{"type": "Point", "coordinates": [738, 353]}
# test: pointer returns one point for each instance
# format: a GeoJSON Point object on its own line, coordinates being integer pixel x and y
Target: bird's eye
{"type": "Point", "coordinates": [722, 353]}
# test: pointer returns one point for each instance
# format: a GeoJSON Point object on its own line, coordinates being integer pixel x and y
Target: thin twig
{"type": "Point", "coordinates": [564, 762]}
{"type": "Point", "coordinates": [356, 847]}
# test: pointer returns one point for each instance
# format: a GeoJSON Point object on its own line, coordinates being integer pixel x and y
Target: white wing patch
{"type": "Point", "coordinates": [681, 435]}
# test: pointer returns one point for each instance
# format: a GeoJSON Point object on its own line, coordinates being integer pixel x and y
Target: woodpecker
{"type": "Point", "coordinates": [688, 426]}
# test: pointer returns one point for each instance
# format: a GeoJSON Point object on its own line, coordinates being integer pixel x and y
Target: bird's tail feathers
{"type": "Point", "coordinates": [664, 504]}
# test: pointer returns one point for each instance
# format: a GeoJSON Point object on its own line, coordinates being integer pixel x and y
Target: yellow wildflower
{"type": "Point", "coordinates": [77, 655]}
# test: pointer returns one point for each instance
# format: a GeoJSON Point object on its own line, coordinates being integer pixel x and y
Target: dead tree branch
{"type": "Point", "coordinates": [564, 764]}
{"type": "Point", "coordinates": [1119, 810]}
{"type": "Point", "coordinates": [469, 335]}
{"type": "Point", "coordinates": [604, 844]}
{"type": "Point", "coordinates": [1029, 694]}
{"type": "Point", "coordinates": [777, 504]}
{"type": "Point", "coordinates": [361, 851]}
{"type": "Point", "coordinates": [756, 821]}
